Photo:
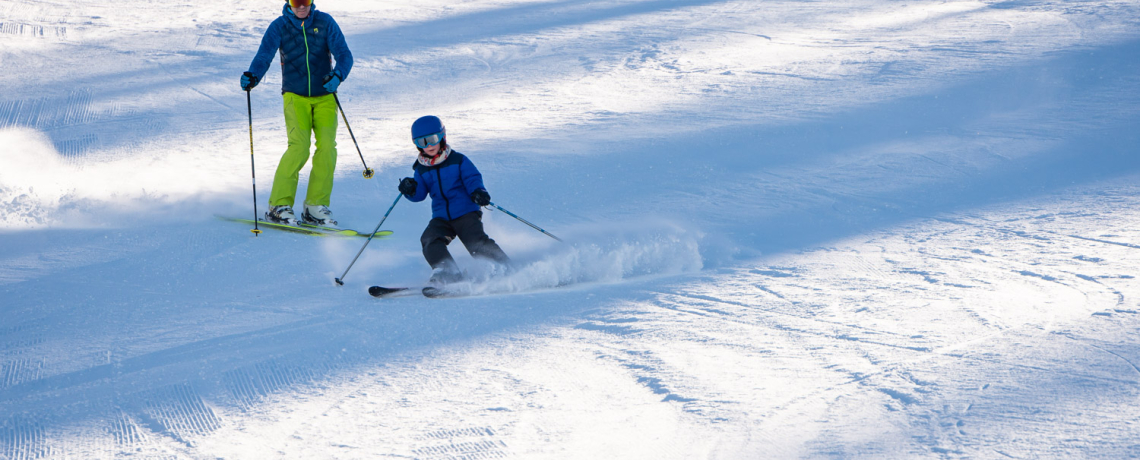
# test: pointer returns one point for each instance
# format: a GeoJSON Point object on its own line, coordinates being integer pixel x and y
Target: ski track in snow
{"type": "Point", "coordinates": [934, 330]}
{"type": "Point", "coordinates": [845, 229]}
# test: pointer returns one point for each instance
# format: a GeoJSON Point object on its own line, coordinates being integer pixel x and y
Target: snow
{"type": "Point", "coordinates": [829, 229]}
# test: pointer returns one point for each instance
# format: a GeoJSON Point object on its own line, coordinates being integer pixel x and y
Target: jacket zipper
{"type": "Point", "coordinates": [446, 202]}
{"type": "Point", "coordinates": [308, 71]}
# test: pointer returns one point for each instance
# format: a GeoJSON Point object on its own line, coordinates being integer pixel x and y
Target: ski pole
{"type": "Point", "coordinates": [525, 222]}
{"type": "Point", "coordinates": [253, 170]}
{"type": "Point", "coordinates": [338, 280]}
{"type": "Point", "coordinates": [368, 172]}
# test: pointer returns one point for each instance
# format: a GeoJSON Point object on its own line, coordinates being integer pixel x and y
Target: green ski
{"type": "Point", "coordinates": [308, 229]}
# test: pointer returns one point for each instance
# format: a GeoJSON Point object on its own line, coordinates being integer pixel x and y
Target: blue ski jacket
{"type": "Point", "coordinates": [307, 48]}
{"type": "Point", "coordinates": [450, 185]}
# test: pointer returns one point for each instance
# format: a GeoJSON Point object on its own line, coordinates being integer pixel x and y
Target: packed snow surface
{"type": "Point", "coordinates": [792, 229]}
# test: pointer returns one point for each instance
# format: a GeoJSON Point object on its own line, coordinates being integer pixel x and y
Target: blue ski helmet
{"type": "Point", "coordinates": [428, 131]}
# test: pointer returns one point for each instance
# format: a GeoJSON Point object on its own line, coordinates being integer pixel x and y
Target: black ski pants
{"type": "Point", "coordinates": [469, 229]}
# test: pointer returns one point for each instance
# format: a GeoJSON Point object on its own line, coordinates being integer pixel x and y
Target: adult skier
{"type": "Point", "coordinates": [457, 195]}
{"type": "Point", "coordinates": [308, 40]}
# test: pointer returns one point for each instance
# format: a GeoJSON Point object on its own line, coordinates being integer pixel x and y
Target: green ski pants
{"type": "Point", "coordinates": [305, 116]}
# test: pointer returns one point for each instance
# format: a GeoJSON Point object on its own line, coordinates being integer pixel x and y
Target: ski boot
{"type": "Point", "coordinates": [439, 281]}
{"type": "Point", "coordinates": [281, 215]}
{"type": "Point", "coordinates": [318, 215]}
{"type": "Point", "coordinates": [442, 276]}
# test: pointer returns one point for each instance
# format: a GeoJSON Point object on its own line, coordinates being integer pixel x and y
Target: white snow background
{"type": "Point", "coordinates": [794, 229]}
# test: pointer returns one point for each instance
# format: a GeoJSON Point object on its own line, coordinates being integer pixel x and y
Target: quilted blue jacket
{"type": "Point", "coordinates": [450, 185]}
{"type": "Point", "coordinates": [307, 48]}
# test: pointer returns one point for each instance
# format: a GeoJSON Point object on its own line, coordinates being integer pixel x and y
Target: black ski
{"type": "Point", "coordinates": [429, 291]}
{"type": "Point", "coordinates": [433, 292]}
{"type": "Point", "coordinates": [446, 292]}
{"type": "Point", "coordinates": [381, 291]}
{"type": "Point", "coordinates": [456, 290]}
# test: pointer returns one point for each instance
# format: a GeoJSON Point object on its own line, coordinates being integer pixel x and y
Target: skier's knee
{"type": "Point", "coordinates": [429, 240]}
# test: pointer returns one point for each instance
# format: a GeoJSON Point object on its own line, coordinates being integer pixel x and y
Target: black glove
{"type": "Point", "coordinates": [408, 186]}
{"type": "Point", "coordinates": [481, 197]}
{"type": "Point", "coordinates": [248, 81]}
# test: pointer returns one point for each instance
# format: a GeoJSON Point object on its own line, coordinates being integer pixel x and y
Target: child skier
{"type": "Point", "coordinates": [457, 194]}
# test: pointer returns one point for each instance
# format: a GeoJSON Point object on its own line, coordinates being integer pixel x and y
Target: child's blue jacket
{"type": "Point", "coordinates": [450, 185]}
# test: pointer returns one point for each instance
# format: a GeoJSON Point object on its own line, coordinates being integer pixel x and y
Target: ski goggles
{"type": "Point", "coordinates": [424, 142]}
{"type": "Point", "coordinates": [300, 3]}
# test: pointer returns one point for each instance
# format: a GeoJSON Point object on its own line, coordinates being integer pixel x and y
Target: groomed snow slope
{"type": "Point", "coordinates": [831, 229]}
